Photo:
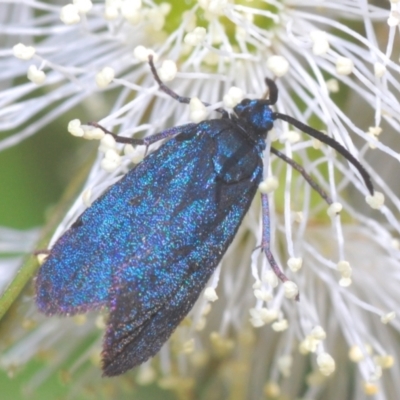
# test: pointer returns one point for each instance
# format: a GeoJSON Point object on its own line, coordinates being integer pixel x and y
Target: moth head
{"type": "Point", "coordinates": [255, 113]}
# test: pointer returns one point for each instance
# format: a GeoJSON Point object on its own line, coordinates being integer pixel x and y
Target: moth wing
{"type": "Point", "coordinates": [196, 218]}
{"type": "Point", "coordinates": [77, 274]}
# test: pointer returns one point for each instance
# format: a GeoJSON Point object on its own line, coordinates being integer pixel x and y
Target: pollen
{"type": "Point", "coordinates": [92, 133]}
{"type": "Point", "coordinates": [376, 201]}
{"type": "Point", "coordinates": [344, 269]}
{"type": "Point", "coordinates": [280, 326]}
{"type": "Point", "coordinates": [41, 258]}
{"type": "Point", "coordinates": [332, 85]}
{"type": "Point", "coordinates": [136, 154]}
{"type": "Point", "coordinates": [263, 295]}
{"type": "Point", "coordinates": [370, 388]}
{"type": "Point", "coordinates": [111, 160]}
{"type": "Point", "coordinates": [379, 69]}
{"type": "Point", "coordinates": [291, 290]}
{"type": "Point", "coordinates": [210, 294]}
{"type": "Point", "coordinates": [168, 70]}
{"type": "Point", "coordinates": [384, 361]}
{"type": "Point", "coordinates": [111, 11]}
{"type": "Point", "coordinates": [356, 354]}
{"type": "Point", "coordinates": [75, 128]}
{"type": "Point", "coordinates": [70, 14]}
{"type": "Point", "coordinates": [23, 52]}
{"type": "Point", "coordinates": [262, 316]}
{"type": "Point", "coordinates": [198, 111]}
{"type": "Point", "coordinates": [326, 364]}
{"type": "Point", "coordinates": [308, 345]}
{"type": "Point", "coordinates": [334, 209]}
{"type": "Point", "coordinates": [234, 96]}
{"type": "Point", "coordinates": [142, 53]}
{"type": "Point", "coordinates": [84, 6]}
{"type": "Point", "coordinates": [320, 42]}
{"type": "Point", "coordinates": [130, 10]}
{"type": "Point", "coordinates": [295, 263]}
{"type": "Point", "coordinates": [106, 143]}
{"type": "Point", "coordinates": [195, 37]}
{"type": "Point", "coordinates": [394, 18]}
{"type": "Point", "coordinates": [318, 333]}
{"type": "Point", "coordinates": [268, 185]}
{"type": "Point", "coordinates": [270, 278]}
{"type": "Point", "coordinates": [344, 66]}
{"type": "Point", "coordinates": [213, 6]}
{"type": "Point", "coordinates": [105, 77]}
{"type": "Point", "coordinates": [278, 65]}
{"type": "Point", "coordinates": [36, 75]}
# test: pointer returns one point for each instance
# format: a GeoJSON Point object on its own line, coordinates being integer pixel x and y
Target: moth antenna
{"type": "Point", "coordinates": [330, 142]}
{"type": "Point", "coordinates": [272, 91]}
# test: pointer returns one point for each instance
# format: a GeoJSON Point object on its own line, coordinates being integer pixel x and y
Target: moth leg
{"type": "Point", "coordinates": [167, 133]}
{"type": "Point", "coordinates": [174, 95]}
{"type": "Point", "coordinates": [265, 245]}
{"type": "Point", "coordinates": [306, 176]}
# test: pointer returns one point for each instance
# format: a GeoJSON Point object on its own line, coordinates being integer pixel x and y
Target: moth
{"type": "Point", "coordinates": [147, 247]}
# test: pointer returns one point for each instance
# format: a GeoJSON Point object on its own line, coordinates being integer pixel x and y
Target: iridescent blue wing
{"type": "Point", "coordinates": [77, 275]}
{"type": "Point", "coordinates": [147, 247]}
{"type": "Point", "coordinates": [187, 223]}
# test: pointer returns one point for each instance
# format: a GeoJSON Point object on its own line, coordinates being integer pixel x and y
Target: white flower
{"type": "Point", "coordinates": [94, 57]}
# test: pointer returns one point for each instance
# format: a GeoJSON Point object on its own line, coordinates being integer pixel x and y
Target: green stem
{"type": "Point", "coordinates": [31, 265]}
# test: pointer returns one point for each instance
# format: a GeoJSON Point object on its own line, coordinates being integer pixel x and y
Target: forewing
{"type": "Point", "coordinates": [193, 223]}
{"type": "Point", "coordinates": [77, 275]}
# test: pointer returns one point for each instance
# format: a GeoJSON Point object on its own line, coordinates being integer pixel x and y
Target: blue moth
{"type": "Point", "coordinates": [147, 247]}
